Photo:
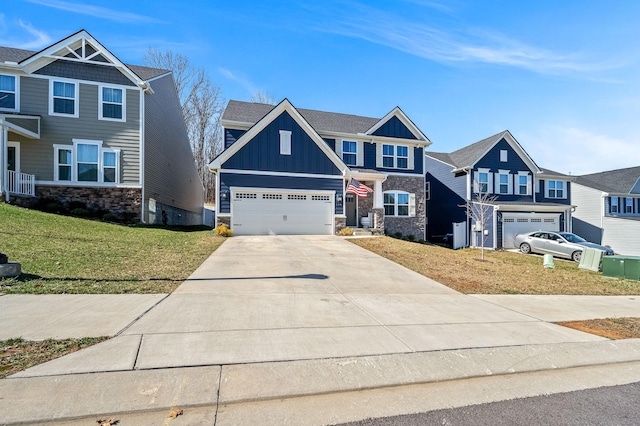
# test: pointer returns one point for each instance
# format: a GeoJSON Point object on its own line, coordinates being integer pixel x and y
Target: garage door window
{"type": "Point", "coordinates": [272, 196]}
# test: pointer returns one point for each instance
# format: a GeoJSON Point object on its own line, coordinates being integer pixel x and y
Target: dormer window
{"type": "Point", "coordinates": [8, 92]}
{"type": "Point", "coordinates": [504, 155]}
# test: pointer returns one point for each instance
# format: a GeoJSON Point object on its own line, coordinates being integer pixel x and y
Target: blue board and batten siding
{"type": "Point", "coordinates": [228, 180]}
{"type": "Point", "coordinates": [370, 160]}
{"type": "Point", "coordinates": [542, 198]}
{"type": "Point", "coordinates": [394, 128]}
{"type": "Point", "coordinates": [263, 151]}
{"type": "Point", "coordinates": [444, 208]}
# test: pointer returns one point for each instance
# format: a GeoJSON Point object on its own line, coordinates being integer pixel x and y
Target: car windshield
{"type": "Point", "coordinates": [573, 238]}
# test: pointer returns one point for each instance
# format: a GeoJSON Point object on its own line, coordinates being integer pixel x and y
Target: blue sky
{"type": "Point", "coordinates": [563, 77]}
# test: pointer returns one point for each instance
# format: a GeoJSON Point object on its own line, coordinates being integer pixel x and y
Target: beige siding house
{"type": "Point", "coordinates": [79, 126]}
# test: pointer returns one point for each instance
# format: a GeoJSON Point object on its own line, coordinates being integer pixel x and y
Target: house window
{"type": "Point", "coordinates": [64, 160]}
{"type": "Point", "coordinates": [111, 104]}
{"type": "Point", "coordinates": [503, 155]}
{"type": "Point", "coordinates": [504, 183]}
{"type": "Point", "coordinates": [399, 203]}
{"type": "Point", "coordinates": [64, 98]}
{"type": "Point", "coordinates": [614, 205]}
{"type": "Point", "coordinates": [555, 189]}
{"type": "Point", "coordinates": [628, 205]}
{"type": "Point", "coordinates": [350, 152]}
{"type": "Point", "coordinates": [483, 182]}
{"type": "Point", "coordinates": [8, 92]}
{"type": "Point", "coordinates": [86, 161]}
{"type": "Point", "coordinates": [427, 191]}
{"type": "Point", "coordinates": [285, 142]}
{"type": "Point", "coordinates": [402, 160]}
{"type": "Point", "coordinates": [523, 184]}
{"type": "Point", "coordinates": [387, 155]}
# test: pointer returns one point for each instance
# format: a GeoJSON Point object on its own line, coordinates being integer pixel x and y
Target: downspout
{"type": "Point", "coordinates": [142, 154]}
{"type": "Point", "coordinates": [4, 154]}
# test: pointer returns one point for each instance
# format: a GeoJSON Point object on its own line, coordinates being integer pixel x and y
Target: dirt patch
{"type": "Point", "coordinates": [611, 328]}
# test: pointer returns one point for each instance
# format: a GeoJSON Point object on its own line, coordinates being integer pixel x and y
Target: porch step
{"type": "Point", "coordinates": [362, 232]}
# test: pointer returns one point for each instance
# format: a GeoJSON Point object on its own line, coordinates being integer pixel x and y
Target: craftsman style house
{"type": "Point", "coordinates": [518, 195]}
{"type": "Point", "coordinates": [78, 125]}
{"type": "Point", "coordinates": [287, 170]}
{"type": "Point", "coordinates": [608, 209]}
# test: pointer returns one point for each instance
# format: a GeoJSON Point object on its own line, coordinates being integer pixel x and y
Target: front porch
{"type": "Point", "coordinates": [13, 128]}
{"type": "Point", "coordinates": [366, 213]}
{"type": "Point", "coordinates": [21, 184]}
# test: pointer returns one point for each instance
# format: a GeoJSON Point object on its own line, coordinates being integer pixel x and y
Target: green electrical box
{"type": "Point", "coordinates": [613, 266]}
{"type": "Point", "coordinates": [632, 268]}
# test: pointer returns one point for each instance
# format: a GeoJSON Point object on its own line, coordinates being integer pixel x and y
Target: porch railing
{"type": "Point", "coordinates": [22, 183]}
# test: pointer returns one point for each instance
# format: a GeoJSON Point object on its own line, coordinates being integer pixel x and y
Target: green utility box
{"type": "Point", "coordinates": [613, 266]}
{"type": "Point", "coordinates": [632, 268]}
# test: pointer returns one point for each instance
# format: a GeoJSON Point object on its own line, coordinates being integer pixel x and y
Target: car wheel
{"type": "Point", "coordinates": [576, 256]}
{"type": "Point", "coordinates": [525, 248]}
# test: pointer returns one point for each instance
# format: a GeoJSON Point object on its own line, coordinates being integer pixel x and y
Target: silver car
{"type": "Point", "coordinates": [561, 244]}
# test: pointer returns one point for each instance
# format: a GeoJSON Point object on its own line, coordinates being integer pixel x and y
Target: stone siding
{"type": "Point", "coordinates": [223, 220]}
{"type": "Point", "coordinates": [407, 225]}
{"type": "Point", "coordinates": [340, 223]}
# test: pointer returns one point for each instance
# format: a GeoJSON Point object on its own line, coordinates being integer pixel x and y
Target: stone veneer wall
{"type": "Point", "coordinates": [340, 223]}
{"type": "Point", "coordinates": [226, 220]}
{"type": "Point", "coordinates": [365, 206]}
{"type": "Point", "coordinates": [407, 225]}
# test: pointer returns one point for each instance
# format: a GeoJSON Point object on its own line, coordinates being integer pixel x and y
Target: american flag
{"type": "Point", "coordinates": [358, 188]}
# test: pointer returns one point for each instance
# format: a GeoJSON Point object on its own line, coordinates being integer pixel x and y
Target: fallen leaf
{"type": "Point", "coordinates": [175, 412]}
{"type": "Point", "coordinates": [108, 422]}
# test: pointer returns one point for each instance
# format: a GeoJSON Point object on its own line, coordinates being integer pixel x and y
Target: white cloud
{"type": "Point", "coordinates": [579, 151]}
{"type": "Point", "coordinates": [24, 37]}
{"type": "Point", "coordinates": [96, 11]}
{"type": "Point", "coordinates": [240, 79]}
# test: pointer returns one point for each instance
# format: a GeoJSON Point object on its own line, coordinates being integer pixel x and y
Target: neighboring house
{"type": "Point", "coordinates": [78, 125]}
{"type": "Point", "coordinates": [285, 171]}
{"type": "Point", "coordinates": [528, 198]}
{"type": "Point", "coordinates": [608, 209]}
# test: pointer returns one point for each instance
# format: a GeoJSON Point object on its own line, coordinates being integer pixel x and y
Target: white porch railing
{"type": "Point", "coordinates": [22, 183]}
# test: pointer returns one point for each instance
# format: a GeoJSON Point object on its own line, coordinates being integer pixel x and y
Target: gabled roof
{"type": "Point", "coordinates": [467, 157]}
{"type": "Point", "coordinates": [272, 113]}
{"type": "Point", "coordinates": [400, 115]}
{"type": "Point", "coordinates": [78, 47]}
{"type": "Point", "coordinates": [619, 181]}
{"type": "Point", "coordinates": [247, 114]}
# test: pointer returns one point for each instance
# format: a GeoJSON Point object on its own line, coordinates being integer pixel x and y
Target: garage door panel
{"type": "Point", "coordinates": [269, 212]}
{"type": "Point", "coordinates": [513, 225]}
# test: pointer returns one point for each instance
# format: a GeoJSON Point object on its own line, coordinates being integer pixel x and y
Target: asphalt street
{"type": "Point", "coordinates": [615, 405]}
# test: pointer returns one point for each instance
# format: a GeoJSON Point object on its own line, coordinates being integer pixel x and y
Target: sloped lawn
{"type": "Point", "coordinates": [61, 254]}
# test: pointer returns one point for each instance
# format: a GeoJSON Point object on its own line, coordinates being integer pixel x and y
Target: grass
{"type": "Point", "coordinates": [61, 254]}
{"type": "Point", "coordinates": [18, 354]}
{"type": "Point", "coordinates": [501, 272]}
{"type": "Point", "coordinates": [611, 328]}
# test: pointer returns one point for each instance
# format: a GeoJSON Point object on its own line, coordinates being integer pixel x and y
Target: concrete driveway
{"type": "Point", "coordinates": [285, 298]}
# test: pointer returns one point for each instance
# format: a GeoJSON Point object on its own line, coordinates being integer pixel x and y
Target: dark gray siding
{"type": "Point", "coordinates": [228, 180]}
{"type": "Point", "coordinates": [86, 72]}
{"type": "Point", "coordinates": [170, 175]}
{"type": "Point", "coordinates": [30, 124]}
{"type": "Point", "coordinates": [37, 155]}
{"type": "Point", "coordinates": [394, 128]}
{"type": "Point", "coordinates": [263, 151]}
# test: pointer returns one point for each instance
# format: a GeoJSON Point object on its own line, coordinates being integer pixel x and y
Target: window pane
{"type": "Point", "coordinates": [65, 90]}
{"type": "Point", "coordinates": [109, 159]}
{"type": "Point", "coordinates": [403, 210]}
{"type": "Point", "coordinates": [387, 149]}
{"type": "Point", "coordinates": [112, 95]}
{"type": "Point", "coordinates": [88, 172]}
{"type": "Point", "coordinates": [552, 184]}
{"type": "Point", "coordinates": [112, 111]}
{"type": "Point", "coordinates": [389, 198]}
{"type": "Point", "coordinates": [63, 106]}
{"type": "Point", "coordinates": [109, 174]}
{"type": "Point", "coordinates": [402, 151]}
{"type": "Point", "coordinates": [504, 179]}
{"type": "Point", "coordinates": [483, 177]}
{"type": "Point", "coordinates": [64, 173]}
{"type": "Point", "coordinates": [87, 153]}
{"type": "Point", "coordinates": [7, 100]}
{"type": "Point", "coordinates": [403, 199]}
{"type": "Point", "coordinates": [64, 156]}
{"type": "Point", "coordinates": [7, 83]}
{"type": "Point", "coordinates": [402, 163]}
{"type": "Point", "coordinates": [387, 162]}
{"type": "Point", "coordinates": [349, 159]}
{"type": "Point", "coordinates": [389, 210]}
{"type": "Point", "coordinates": [349, 146]}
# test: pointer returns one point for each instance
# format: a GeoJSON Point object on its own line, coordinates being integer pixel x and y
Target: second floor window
{"type": "Point", "coordinates": [523, 185]}
{"type": "Point", "coordinates": [483, 182]}
{"type": "Point", "coordinates": [504, 183]}
{"type": "Point", "coordinates": [64, 98]}
{"type": "Point", "coordinates": [555, 189]}
{"type": "Point", "coordinates": [349, 152]}
{"type": "Point", "coordinates": [614, 205]}
{"type": "Point", "coordinates": [111, 104]}
{"type": "Point", "coordinates": [395, 156]}
{"type": "Point", "coordinates": [8, 92]}
{"type": "Point", "coordinates": [628, 205]}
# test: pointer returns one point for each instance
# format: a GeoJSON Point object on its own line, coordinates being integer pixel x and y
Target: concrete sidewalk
{"type": "Point", "coordinates": [267, 319]}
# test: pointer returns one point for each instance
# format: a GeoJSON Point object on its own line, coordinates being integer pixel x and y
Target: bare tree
{"type": "Point", "coordinates": [480, 211]}
{"type": "Point", "coordinates": [202, 106]}
{"type": "Point", "coordinates": [262, 97]}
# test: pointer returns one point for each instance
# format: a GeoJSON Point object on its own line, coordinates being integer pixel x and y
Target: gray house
{"type": "Point", "coordinates": [78, 125]}
{"type": "Point", "coordinates": [608, 209]}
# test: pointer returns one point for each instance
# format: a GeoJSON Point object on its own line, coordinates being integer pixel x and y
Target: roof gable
{"type": "Point", "coordinates": [276, 113]}
{"type": "Point", "coordinates": [80, 47]}
{"type": "Point", "coordinates": [396, 124]}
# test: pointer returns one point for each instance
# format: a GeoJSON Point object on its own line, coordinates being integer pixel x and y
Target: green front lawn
{"type": "Point", "coordinates": [501, 273]}
{"type": "Point", "coordinates": [61, 254]}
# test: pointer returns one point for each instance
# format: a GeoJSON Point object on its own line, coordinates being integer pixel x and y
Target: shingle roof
{"type": "Point", "coordinates": [615, 181]}
{"type": "Point", "coordinates": [12, 54]}
{"type": "Point", "coordinates": [441, 156]}
{"type": "Point", "coordinates": [465, 157]}
{"type": "Point", "coordinates": [321, 121]}
{"type": "Point", "coordinates": [550, 172]}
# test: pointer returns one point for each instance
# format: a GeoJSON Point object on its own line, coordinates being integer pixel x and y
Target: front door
{"type": "Point", "coordinates": [13, 160]}
{"type": "Point", "coordinates": [351, 210]}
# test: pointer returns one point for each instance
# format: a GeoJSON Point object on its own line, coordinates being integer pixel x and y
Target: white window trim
{"type": "Point", "coordinates": [564, 189]}
{"type": "Point", "coordinates": [628, 203]}
{"type": "Point", "coordinates": [504, 155]}
{"type": "Point", "coordinates": [509, 182]}
{"type": "Point", "coordinates": [476, 181]}
{"type": "Point", "coordinates": [340, 151]}
{"type": "Point", "coordinates": [380, 156]}
{"type": "Point", "coordinates": [100, 102]}
{"type": "Point", "coordinates": [528, 176]}
{"type": "Point", "coordinates": [612, 204]}
{"type": "Point", "coordinates": [76, 105]}
{"type": "Point", "coordinates": [74, 163]}
{"type": "Point", "coordinates": [285, 142]}
{"type": "Point", "coordinates": [411, 203]}
{"type": "Point", "coordinates": [17, 93]}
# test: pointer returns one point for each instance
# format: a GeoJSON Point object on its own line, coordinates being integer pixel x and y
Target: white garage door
{"type": "Point", "coordinates": [267, 212]}
{"type": "Point", "coordinates": [519, 223]}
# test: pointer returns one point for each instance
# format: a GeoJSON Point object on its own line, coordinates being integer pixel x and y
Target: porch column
{"type": "Point", "coordinates": [377, 195]}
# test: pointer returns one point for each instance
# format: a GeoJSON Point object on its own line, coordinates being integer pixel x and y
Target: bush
{"type": "Point", "coordinates": [224, 231]}
{"type": "Point", "coordinates": [80, 212]}
{"type": "Point", "coordinates": [345, 232]}
{"type": "Point", "coordinates": [110, 217]}
{"type": "Point", "coordinates": [411, 237]}
{"type": "Point", "coordinates": [397, 235]}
